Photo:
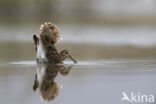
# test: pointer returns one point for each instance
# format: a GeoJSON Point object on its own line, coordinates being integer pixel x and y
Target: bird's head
{"type": "Point", "coordinates": [65, 54]}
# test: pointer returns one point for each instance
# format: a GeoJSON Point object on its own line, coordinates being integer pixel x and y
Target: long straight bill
{"type": "Point", "coordinates": [72, 59]}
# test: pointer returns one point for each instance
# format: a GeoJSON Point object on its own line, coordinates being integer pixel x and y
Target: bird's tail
{"type": "Point", "coordinates": [49, 33]}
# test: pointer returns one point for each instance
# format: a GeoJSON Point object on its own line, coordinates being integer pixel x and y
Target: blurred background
{"type": "Point", "coordinates": [99, 28]}
{"type": "Point", "coordinates": [114, 42]}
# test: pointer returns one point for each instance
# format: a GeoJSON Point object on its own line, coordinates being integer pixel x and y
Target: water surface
{"type": "Point", "coordinates": [88, 82]}
{"type": "Point", "coordinates": [111, 60]}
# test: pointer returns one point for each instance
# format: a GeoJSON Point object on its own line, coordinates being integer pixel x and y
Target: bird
{"type": "Point", "coordinates": [45, 45]}
{"type": "Point", "coordinates": [48, 58]}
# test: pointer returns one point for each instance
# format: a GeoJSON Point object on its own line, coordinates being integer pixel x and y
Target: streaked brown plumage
{"type": "Point", "coordinates": [45, 45]}
{"type": "Point", "coordinates": [47, 57]}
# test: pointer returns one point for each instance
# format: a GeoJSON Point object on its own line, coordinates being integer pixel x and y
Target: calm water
{"type": "Point", "coordinates": [88, 82]}
{"type": "Point", "coordinates": [111, 60]}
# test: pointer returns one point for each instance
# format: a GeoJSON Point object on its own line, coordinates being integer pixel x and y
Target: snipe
{"type": "Point", "coordinates": [45, 45]}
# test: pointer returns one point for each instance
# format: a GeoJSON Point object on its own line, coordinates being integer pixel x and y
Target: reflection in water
{"type": "Point", "coordinates": [92, 81]}
{"type": "Point", "coordinates": [45, 80]}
